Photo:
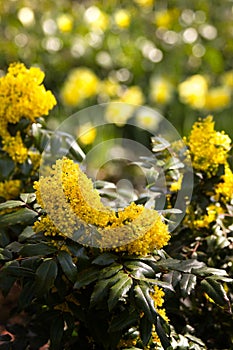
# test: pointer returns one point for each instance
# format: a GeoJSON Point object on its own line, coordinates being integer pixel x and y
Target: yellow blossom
{"type": "Point", "coordinates": [97, 19]}
{"type": "Point", "coordinates": [208, 148]}
{"type": "Point", "coordinates": [144, 3]}
{"type": "Point", "coordinates": [193, 91]}
{"type": "Point", "coordinates": [122, 18]}
{"type": "Point", "coordinates": [118, 113]}
{"type": "Point", "coordinates": [217, 98]}
{"type": "Point", "coordinates": [22, 95]}
{"type": "Point", "coordinates": [166, 18]}
{"type": "Point", "coordinates": [65, 23]}
{"type": "Point", "coordinates": [80, 84]}
{"type": "Point", "coordinates": [133, 95]}
{"type": "Point", "coordinates": [161, 90]}
{"type": "Point", "coordinates": [86, 133]}
{"type": "Point", "coordinates": [227, 78]}
{"type": "Point", "coordinates": [71, 203]}
{"type": "Point", "coordinates": [10, 189]}
{"type": "Point", "coordinates": [176, 186]}
{"type": "Point", "coordinates": [14, 146]}
{"type": "Point", "coordinates": [225, 188]}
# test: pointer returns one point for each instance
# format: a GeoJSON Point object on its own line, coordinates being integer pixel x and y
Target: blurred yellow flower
{"type": "Point", "coordinates": [217, 98]}
{"type": "Point", "coordinates": [193, 91]}
{"type": "Point", "coordinates": [225, 188]}
{"type": "Point", "coordinates": [97, 19]}
{"type": "Point", "coordinates": [166, 18]}
{"type": "Point", "coordinates": [86, 133]}
{"type": "Point", "coordinates": [118, 113]}
{"type": "Point", "coordinates": [147, 119]}
{"type": "Point", "coordinates": [144, 3]}
{"type": "Point", "coordinates": [65, 23]}
{"type": "Point", "coordinates": [208, 148]}
{"type": "Point", "coordinates": [80, 84]}
{"type": "Point", "coordinates": [133, 95]}
{"type": "Point", "coordinates": [227, 78]}
{"type": "Point", "coordinates": [109, 87]}
{"type": "Point", "coordinates": [10, 189]}
{"type": "Point", "coordinates": [161, 90]}
{"type": "Point", "coordinates": [122, 18]}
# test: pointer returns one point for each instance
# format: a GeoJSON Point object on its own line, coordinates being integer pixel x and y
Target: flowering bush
{"type": "Point", "coordinates": [92, 277]}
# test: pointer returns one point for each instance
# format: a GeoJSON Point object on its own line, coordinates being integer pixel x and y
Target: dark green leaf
{"type": "Point", "coordinates": [215, 291]}
{"type": "Point", "coordinates": [6, 281]}
{"type": "Point", "coordinates": [19, 271]}
{"type": "Point", "coordinates": [20, 216]}
{"type": "Point", "coordinates": [142, 303]}
{"type": "Point", "coordinates": [7, 166]}
{"type": "Point", "coordinates": [56, 332]}
{"type": "Point", "coordinates": [141, 268]}
{"type": "Point", "coordinates": [5, 254]}
{"type": "Point", "coordinates": [161, 333]}
{"type": "Point", "coordinates": [45, 276]}
{"type": "Point", "coordinates": [14, 246]}
{"type": "Point", "coordinates": [145, 329]}
{"type": "Point", "coordinates": [187, 283]}
{"type": "Point", "coordinates": [86, 277]}
{"type": "Point", "coordinates": [119, 290]}
{"type": "Point", "coordinates": [104, 259]}
{"type": "Point", "coordinates": [42, 249]}
{"type": "Point", "coordinates": [26, 233]}
{"type": "Point", "coordinates": [68, 266]}
{"type": "Point", "coordinates": [123, 321]}
{"type": "Point", "coordinates": [205, 271]}
{"type": "Point", "coordinates": [110, 270]}
{"type": "Point", "coordinates": [27, 294]}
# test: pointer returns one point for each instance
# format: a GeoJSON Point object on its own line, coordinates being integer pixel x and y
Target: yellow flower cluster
{"type": "Point", "coordinates": [70, 200]}
{"type": "Point", "coordinates": [195, 92]}
{"type": "Point", "coordinates": [22, 95]}
{"type": "Point", "coordinates": [10, 189]}
{"type": "Point", "coordinates": [208, 148]}
{"type": "Point", "coordinates": [14, 146]}
{"type": "Point", "coordinates": [81, 84]}
{"type": "Point", "coordinates": [225, 188]}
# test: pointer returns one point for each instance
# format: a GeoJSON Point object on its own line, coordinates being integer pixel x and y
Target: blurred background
{"type": "Point", "coordinates": [173, 56]}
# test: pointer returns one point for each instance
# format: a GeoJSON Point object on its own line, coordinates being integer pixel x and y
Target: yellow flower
{"type": "Point", "coordinates": [209, 218]}
{"type": "Point", "coordinates": [166, 18]}
{"type": "Point", "coordinates": [122, 18]}
{"type": "Point", "coordinates": [71, 203]}
{"type": "Point", "coordinates": [133, 95]}
{"type": "Point", "coordinates": [22, 95]}
{"type": "Point", "coordinates": [193, 91]}
{"type": "Point", "coordinates": [65, 23]}
{"type": "Point", "coordinates": [14, 146]}
{"type": "Point", "coordinates": [118, 113]}
{"type": "Point", "coordinates": [161, 90]}
{"type": "Point", "coordinates": [227, 78]}
{"type": "Point", "coordinates": [208, 148]}
{"type": "Point", "coordinates": [218, 98]}
{"type": "Point", "coordinates": [176, 186]}
{"type": "Point", "coordinates": [86, 133]}
{"type": "Point", "coordinates": [225, 188]}
{"type": "Point", "coordinates": [144, 3]}
{"type": "Point", "coordinates": [10, 189]}
{"type": "Point", "coordinates": [96, 19]}
{"type": "Point", "coordinates": [81, 84]}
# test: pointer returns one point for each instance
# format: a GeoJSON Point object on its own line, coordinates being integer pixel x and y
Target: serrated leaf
{"type": "Point", "coordinates": [68, 266]}
{"type": "Point", "coordinates": [45, 276]}
{"type": "Point", "coordinates": [187, 283]}
{"type": "Point", "coordinates": [42, 249]}
{"type": "Point", "coordinates": [140, 267]}
{"type": "Point", "coordinates": [24, 215]}
{"type": "Point", "coordinates": [181, 265]}
{"type": "Point", "coordinates": [86, 277]}
{"type": "Point", "coordinates": [119, 290]}
{"type": "Point", "coordinates": [209, 271]}
{"type": "Point", "coordinates": [215, 291]}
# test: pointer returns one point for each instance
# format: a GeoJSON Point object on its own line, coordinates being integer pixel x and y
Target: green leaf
{"type": "Point", "coordinates": [142, 302]}
{"type": "Point", "coordinates": [86, 277]}
{"type": "Point", "coordinates": [45, 276]}
{"type": "Point", "coordinates": [104, 259]}
{"type": "Point", "coordinates": [26, 233]}
{"type": "Point", "coordinates": [110, 270]}
{"type": "Point", "coordinates": [42, 249]}
{"type": "Point", "coordinates": [123, 320]}
{"type": "Point", "coordinates": [6, 281]}
{"type": "Point", "coordinates": [145, 330]}
{"type": "Point", "coordinates": [20, 216]}
{"type": "Point", "coordinates": [11, 204]}
{"type": "Point", "coordinates": [209, 271]}
{"type": "Point", "coordinates": [19, 271]}
{"type": "Point", "coordinates": [68, 266]}
{"type": "Point", "coordinates": [161, 333]}
{"type": "Point", "coordinates": [215, 291]}
{"type": "Point", "coordinates": [181, 265]}
{"type": "Point", "coordinates": [140, 268]}
{"type": "Point", "coordinates": [56, 332]}
{"type": "Point", "coordinates": [119, 290]}
{"type": "Point", "coordinates": [102, 287]}
{"type": "Point", "coordinates": [5, 254]}
{"type": "Point", "coordinates": [7, 166]}
{"type": "Point", "coordinates": [27, 294]}
{"type": "Point", "coordinates": [187, 283]}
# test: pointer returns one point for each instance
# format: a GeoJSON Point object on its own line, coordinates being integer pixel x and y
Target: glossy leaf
{"type": "Point", "coordinates": [11, 204]}
{"type": "Point", "coordinates": [215, 291]}
{"type": "Point", "coordinates": [187, 283]}
{"type": "Point", "coordinates": [68, 266]}
{"type": "Point", "coordinates": [104, 259]}
{"type": "Point", "coordinates": [42, 249]}
{"type": "Point", "coordinates": [119, 290]}
{"type": "Point", "coordinates": [86, 277]}
{"type": "Point", "coordinates": [45, 276]}
{"type": "Point", "coordinates": [20, 216]}
{"type": "Point", "coordinates": [145, 330]}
